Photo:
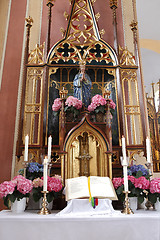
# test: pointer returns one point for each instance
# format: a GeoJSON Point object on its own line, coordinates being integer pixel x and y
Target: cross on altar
{"type": "Point", "coordinates": [84, 164]}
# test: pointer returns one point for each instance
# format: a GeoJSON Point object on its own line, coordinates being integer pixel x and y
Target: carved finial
{"type": "Point", "coordinates": [63, 93]}
{"type": "Point", "coordinates": [62, 31]}
{"type": "Point", "coordinates": [66, 15]}
{"type": "Point", "coordinates": [113, 4]}
{"type": "Point", "coordinates": [133, 25]}
{"type": "Point", "coordinates": [106, 93]}
{"type": "Point", "coordinates": [50, 3]}
{"type": "Point", "coordinates": [93, 1]}
{"type": "Point", "coordinates": [97, 16]}
{"type": "Point", "coordinates": [29, 21]}
{"type": "Point", "coordinates": [102, 32]}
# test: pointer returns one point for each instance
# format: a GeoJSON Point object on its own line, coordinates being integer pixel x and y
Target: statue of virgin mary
{"type": "Point", "coordinates": [82, 86]}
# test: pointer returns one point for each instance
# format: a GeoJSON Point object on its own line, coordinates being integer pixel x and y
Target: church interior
{"type": "Point", "coordinates": [73, 74]}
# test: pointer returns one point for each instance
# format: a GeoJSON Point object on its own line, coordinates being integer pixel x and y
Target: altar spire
{"type": "Point", "coordinates": [82, 27]}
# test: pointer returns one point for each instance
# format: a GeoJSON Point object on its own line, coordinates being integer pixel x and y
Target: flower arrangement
{"type": "Point", "coordinates": [138, 183]}
{"type": "Point", "coordinates": [18, 188]}
{"type": "Point", "coordinates": [138, 171]}
{"type": "Point", "coordinates": [154, 190]}
{"type": "Point", "coordinates": [98, 104]}
{"type": "Point", "coordinates": [72, 105]}
{"type": "Point", "coordinates": [56, 106]}
{"type": "Point", "coordinates": [33, 170]}
{"type": "Point", "coordinates": [54, 186]}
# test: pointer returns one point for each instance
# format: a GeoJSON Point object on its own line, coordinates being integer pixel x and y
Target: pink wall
{"type": "Point", "coordinates": [9, 88]}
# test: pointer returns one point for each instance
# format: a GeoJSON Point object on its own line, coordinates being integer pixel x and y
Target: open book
{"type": "Point", "coordinates": [100, 187]}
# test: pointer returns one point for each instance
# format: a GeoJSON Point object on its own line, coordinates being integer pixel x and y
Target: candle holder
{"type": "Point", "coordinates": [44, 210]}
{"type": "Point", "coordinates": [126, 209]}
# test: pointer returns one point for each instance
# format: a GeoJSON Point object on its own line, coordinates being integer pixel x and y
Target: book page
{"type": "Point", "coordinates": [102, 187]}
{"type": "Point", "coordinates": [77, 188]}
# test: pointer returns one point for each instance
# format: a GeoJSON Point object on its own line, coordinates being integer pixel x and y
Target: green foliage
{"type": "Point", "coordinates": [71, 109]}
{"type": "Point", "coordinates": [101, 109]}
{"type": "Point", "coordinates": [152, 197]}
{"type": "Point", "coordinates": [139, 174]}
{"type": "Point", "coordinates": [37, 194]}
{"type": "Point", "coordinates": [12, 197]}
{"type": "Point", "coordinates": [140, 198]}
{"type": "Point", "coordinates": [56, 113]}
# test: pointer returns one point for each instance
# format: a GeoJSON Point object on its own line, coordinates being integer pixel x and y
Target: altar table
{"type": "Point", "coordinates": [31, 226]}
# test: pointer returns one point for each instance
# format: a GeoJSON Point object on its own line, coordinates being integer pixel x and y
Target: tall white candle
{"type": "Point", "coordinates": [124, 150]}
{"type": "Point", "coordinates": [125, 178]}
{"type": "Point", "coordinates": [26, 148]}
{"type": "Point", "coordinates": [148, 150]}
{"type": "Point", "coordinates": [49, 148]}
{"type": "Point", "coordinates": [45, 168]}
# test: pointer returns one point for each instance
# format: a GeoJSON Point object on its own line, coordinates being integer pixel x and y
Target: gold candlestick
{"type": "Point", "coordinates": [127, 209]}
{"type": "Point", "coordinates": [44, 210]}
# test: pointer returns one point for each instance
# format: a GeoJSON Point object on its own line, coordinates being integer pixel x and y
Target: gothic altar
{"type": "Point", "coordinates": [85, 145]}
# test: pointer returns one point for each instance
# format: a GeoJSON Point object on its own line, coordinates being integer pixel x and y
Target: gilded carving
{"type": "Point", "coordinates": [126, 57]}
{"type": "Point", "coordinates": [66, 15]}
{"type": "Point", "coordinates": [33, 104]}
{"type": "Point", "coordinates": [97, 16]}
{"type": "Point", "coordinates": [37, 55]}
{"type": "Point", "coordinates": [82, 40]}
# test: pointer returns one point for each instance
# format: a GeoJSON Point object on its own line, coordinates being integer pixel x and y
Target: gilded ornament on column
{"type": "Point", "coordinates": [126, 57]}
{"type": "Point", "coordinates": [66, 15]}
{"type": "Point", "coordinates": [97, 16]}
{"type": "Point", "coordinates": [37, 55]}
{"type": "Point", "coordinates": [102, 32]}
{"type": "Point", "coordinates": [62, 31]}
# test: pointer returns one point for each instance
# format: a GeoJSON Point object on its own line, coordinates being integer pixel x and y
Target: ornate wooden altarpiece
{"type": "Point", "coordinates": [154, 126]}
{"type": "Point", "coordinates": [48, 71]}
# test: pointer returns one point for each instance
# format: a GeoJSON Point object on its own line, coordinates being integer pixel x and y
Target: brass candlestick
{"type": "Point", "coordinates": [44, 210]}
{"type": "Point", "coordinates": [127, 209]}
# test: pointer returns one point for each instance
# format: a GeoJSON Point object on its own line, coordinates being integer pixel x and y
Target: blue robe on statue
{"type": "Point", "coordinates": [82, 89]}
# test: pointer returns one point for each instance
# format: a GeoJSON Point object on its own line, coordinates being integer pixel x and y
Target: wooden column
{"type": "Point", "coordinates": [29, 21]}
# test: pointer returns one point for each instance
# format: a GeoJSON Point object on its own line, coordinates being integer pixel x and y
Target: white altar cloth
{"type": "Point", "coordinates": [82, 207]}
{"type": "Point", "coordinates": [29, 225]}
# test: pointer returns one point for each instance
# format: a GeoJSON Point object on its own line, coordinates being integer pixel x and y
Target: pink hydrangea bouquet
{"type": "Point", "coordinates": [136, 187]}
{"type": "Point", "coordinates": [98, 104]}
{"type": "Point", "coordinates": [18, 188]}
{"type": "Point", "coordinates": [54, 186]}
{"type": "Point", "coordinates": [73, 105]}
{"type": "Point", "coordinates": [154, 190]}
{"type": "Point", "coordinates": [56, 106]}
